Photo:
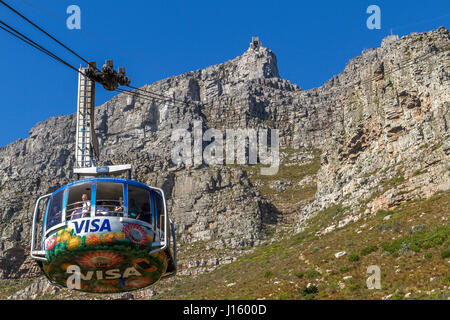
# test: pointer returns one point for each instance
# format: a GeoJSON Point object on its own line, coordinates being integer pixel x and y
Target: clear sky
{"type": "Point", "coordinates": [313, 40]}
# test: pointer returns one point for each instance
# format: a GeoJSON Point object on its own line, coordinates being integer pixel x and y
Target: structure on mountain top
{"type": "Point", "coordinates": [255, 44]}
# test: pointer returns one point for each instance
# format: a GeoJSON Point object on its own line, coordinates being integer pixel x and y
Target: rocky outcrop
{"type": "Point", "coordinates": [391, 142]}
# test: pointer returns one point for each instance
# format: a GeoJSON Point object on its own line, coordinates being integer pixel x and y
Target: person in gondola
{"type": "Point", "coordinates": [77, 212]}
{"type": "Point", "coordinates": [55, 217]}
{"type": "Point", "coordinates": [118, 210]}
{"type": "Point", "coordinates": [86, 204]}
{"type": "Point", "coordinates": [103, 209]}
{"type": "Point", "coordinates": [133, 210]}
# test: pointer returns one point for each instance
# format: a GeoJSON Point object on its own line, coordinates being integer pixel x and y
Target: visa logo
{"type": "Point", "coordinates": [92, 226]}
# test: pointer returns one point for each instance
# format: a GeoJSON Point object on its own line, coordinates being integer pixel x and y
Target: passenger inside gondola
{"type": "Point", "coordinates": [77, 212]}
{"type": "Point", "coordinates": [109, 199]}
{"type": "Point", "coordinates": [55, 210]}
{"type": "Point", "coordinates": [118, 210]}
{"type": "Point", "coordinates": [103, 209]}
{"type": "Point", "coordinates": [139, 205]}
{"type": "Point", "coordinates": [55, 217]}
{"type": "Point", "coordinates": [78, 203]}
{"type": "Point", "coordinates": [86, 203]}
{"type": "Point", "coordinates": [133, 210]}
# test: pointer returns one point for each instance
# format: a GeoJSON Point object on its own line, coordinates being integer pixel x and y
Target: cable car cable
{"type": "Point", "coordinates": [93, 35]}
{"type": "Point", "coordinates": [153, 98]}
{"type": "Point", "coordinates": [34, 44]}
{"type": "Point", "coordinates": [14, 32]}
{"type": "Point", "coordinates": [145, 97]}
{"type": "Point", "coordinates": [22, 39]}
{"type": "Point", "coordinates": [42, 30]}
{"type": "Point", "coordinates": [159, 96]}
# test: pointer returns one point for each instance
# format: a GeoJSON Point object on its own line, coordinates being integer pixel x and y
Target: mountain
{"type": "Point", "coordinates": [371, 140]}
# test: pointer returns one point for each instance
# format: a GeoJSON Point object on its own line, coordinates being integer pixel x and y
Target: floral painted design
{"type": "Point", "coordinates": [65, 237]}
{"type": "Point", "coordinates": [74, 242]}
{"type": "Point", "coordinates": [92, 240]}
{"type": "Point", "coordinates": [107, 238]}
{"type": "Point", "coordinates": [138, 282]}
{"type": "Point", "coordinates": [51, 243]}
{"type": "Point", "coordinates": [119, 236]}
{"type": "Point", "coordinates": [102, 259]}
{"type": "Point", "coordinates": [64, 266]}
{"type": "Point", "coordinates": [144, 264]}
{"type": "Point", "coordinates": [106, 288]}
{"type": "Point", "coordinates": [112, 281]}
{"type": "Point", "coordinates": [135, 233]}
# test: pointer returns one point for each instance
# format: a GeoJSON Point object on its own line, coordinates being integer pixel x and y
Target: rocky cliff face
{"type": "Point", "coordinates": [381, 124]}
{"type": "Point", "coordinates": [390, 140]}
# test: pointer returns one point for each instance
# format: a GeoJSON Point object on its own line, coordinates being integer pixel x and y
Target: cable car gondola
{"type": "Point", "coordinates": [101, 233]}
{"type": "Point", "coordinates": [116, 231]}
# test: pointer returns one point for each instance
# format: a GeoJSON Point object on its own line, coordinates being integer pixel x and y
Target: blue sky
{"type": "Point", "coordinates": [313, 40]}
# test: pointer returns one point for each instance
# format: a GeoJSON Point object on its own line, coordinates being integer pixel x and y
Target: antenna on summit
{"type": "Point", "coordinates": [255, 44]}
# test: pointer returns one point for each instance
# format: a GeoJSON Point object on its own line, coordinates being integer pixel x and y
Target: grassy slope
{"type": "Point", "coordinates": [288, 171]}
{"type": "Point", "coordinates": [281, 270]}
{"type": "Point", "coordinates": [10, 286]}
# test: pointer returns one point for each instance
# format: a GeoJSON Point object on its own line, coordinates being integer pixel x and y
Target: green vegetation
{"type": "Point", "coordinates": [312, 274]}
{"type": "Point", "coordinates": [369, 174]}
{"type": "Point", "coordinates": [419, 172]}
{"type": "Point", "coordinates": [290, 275]}
{"type": "Point", "coordinates": [436, 146]}
{"type": "Point", "coordinates": [290, 171]}
{"type": "Point", "coordinates": [343, 269]}
{"type": "Point", "coordinates": [418, 240]}
{"type": "Point", "coordinates": [396, 296]}
{"type": "Point", "coordinates": [397, 180]}
{"type": "Point", "coordinates": [9, 287]}
{"type": "Point", "coordinates": [368, 250]}
{"type": "Point", "coordinates": [445, 253]}
{"type": "Point", "coordinates": [353, 257]}
{"type": "Point", "coordinates": [309, 292]}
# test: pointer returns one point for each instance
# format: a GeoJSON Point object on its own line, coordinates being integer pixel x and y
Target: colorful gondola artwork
{"type": "Point", "coordinates": [115, 260]}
